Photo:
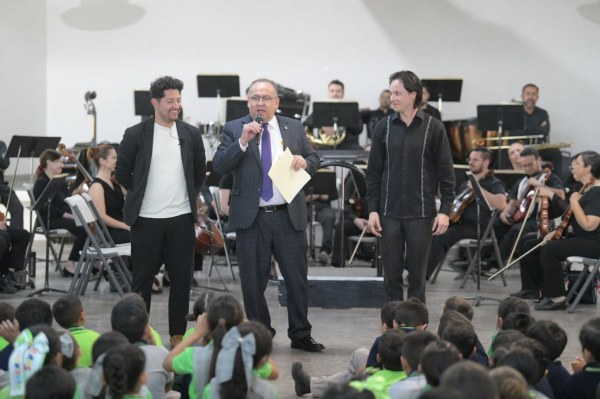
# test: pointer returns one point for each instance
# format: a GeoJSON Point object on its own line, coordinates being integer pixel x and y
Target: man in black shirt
{"type": "Point", "coordinates": [433, 111]}
{"type": "Point", "coordinates": [410, 158]}
{"type": "Point", "coordinates": [371, 117]}
{"type": "Point", "coordinates": [466, 226]}
{"type": "Point", "coordinates": [335, 91]}
{"type": "Point", "coordinates": [536, 119]}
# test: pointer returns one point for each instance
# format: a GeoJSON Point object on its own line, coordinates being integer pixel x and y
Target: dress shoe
{"type": "Point", "coordinates": [324, 258]}
{"type": "Point", "coordinates": [66, 273]}
{"type": "Point", "coordinates": [526, 294]}
{"type": "Point", "coordinates": [301, 379]}
{"type": "Point", "coordinates": [6, 286]}
{"type": "Point", "coordinates": [307, 344]}
{"type": "Point", "coordinates": [548, 304]}
{"type": "Point", "coordinates": [175, 340]}
{"type": "Point", "coordinates": [156, 289]}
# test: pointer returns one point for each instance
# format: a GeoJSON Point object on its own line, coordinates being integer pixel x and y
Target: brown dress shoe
{"type": "Point", "coordinates": [175, 339]}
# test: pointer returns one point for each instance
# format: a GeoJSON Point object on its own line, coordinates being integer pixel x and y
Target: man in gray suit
{"type": "Point", "coordinates": [265, 224]}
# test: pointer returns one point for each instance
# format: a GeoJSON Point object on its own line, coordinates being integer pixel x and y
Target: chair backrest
{"type": "Point", "coordinates": [80, 210]}
{"type": "Point", "coordinates": [90, 202]}
{"type": "Point", "coordinates": [214, 191]}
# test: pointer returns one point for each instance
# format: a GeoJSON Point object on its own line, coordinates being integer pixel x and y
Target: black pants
{"type": "Point", "coordinates": [405, 243]}
{"type": "Point", "coordinates": [557, 251]}
{"type": "Point", "coordinates": [441, 244]}
{"type": "Point", "coordinates": [532, 276]}
{"type": "Point", "coordinates": [171, 240]}
{"type": "Point", "coordinates": [13, 245]}
{"type": "Point", "coordinates": [350, 229]}
{"type": "Point", "coordinates": [508, 234]}
{"type": "Point", "coordinates": [273, 233]}
{"type": "Point", "coordinates": [77, 231]}
{"type": "Point", "coordinates": [15, 209]}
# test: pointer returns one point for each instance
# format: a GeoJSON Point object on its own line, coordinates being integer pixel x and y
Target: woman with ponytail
{"type": "Point", "coordinates": [51, 165]}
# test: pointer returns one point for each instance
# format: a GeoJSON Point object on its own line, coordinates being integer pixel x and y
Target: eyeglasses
{"type": "Point", "coordinates": [265, 99]}
{"type": "Point", "coordinates": [469, 159]}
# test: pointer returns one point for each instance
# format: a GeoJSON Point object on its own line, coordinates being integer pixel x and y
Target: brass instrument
{"type": "Point", "coordinates": [482, 142]}
{"type": "Point", "coordinates": [324, 139]}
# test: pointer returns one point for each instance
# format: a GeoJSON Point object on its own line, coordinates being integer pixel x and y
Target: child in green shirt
{"type": "Point", "coordinates": [123, 368]}
{"type": "Point", "coordinates": [69, 314]}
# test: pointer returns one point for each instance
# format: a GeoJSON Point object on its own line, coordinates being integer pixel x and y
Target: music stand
{"type": "Point", "coordinates": [142, 105]}
{"type": "Point", "coordinates": [45, 199]}
{"type": "Point", "coordinates": [31, 147]}
{"type": "Point", "coordinates": [499, 117]}
{"type": "Point", "coordinates": [481, 202]}
{"type": "Point", "coordinates": [335, 113]}
{"type": "Point", "coordinates": [218, 86]}
{"type": "Point", "coordinates": [443, 90]}
{"type": "Point", "coordinates": [235, 108]}
{"type": "Point", "coordinates": [322, 182]}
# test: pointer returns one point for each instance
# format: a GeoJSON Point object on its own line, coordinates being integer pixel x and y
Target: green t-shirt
{"type": "Point", "coordinates": [85, 339]}
{"type": "Point", "coordinates": [379, 383]}
{"type": "Point", "coordinates": [157, 339]}
{"type": "Point", "coordinates": [188, 332]}
{"type": "Point", "coordinates": [263, 372]}
{"type": "Point", "coordinates": [3, 343]}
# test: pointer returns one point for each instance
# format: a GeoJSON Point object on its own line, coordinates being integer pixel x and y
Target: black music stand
{"type": "Point", "coordinates": [31, 147]}
{"type": "Point", "coordinates": [499, 117]}
{"type": "Point", "coordinates": [441, 90]}
{"type": "Point", "coordinates": [481, 202]}
{"type": "Point", "coordinates": [142, 105]}
{"type": "Point", "coordinates": [218, 86]}
{"type": "Point", "coordinates": [322, 182]}
{"type": "Point", "coordinates": [235, 108]}
{"type": "Point", "coordinates": [55, 184]}
{"type": "Point", "coordinates": [335, 113]}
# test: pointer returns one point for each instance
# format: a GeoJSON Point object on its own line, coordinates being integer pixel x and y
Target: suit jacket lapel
{"type": "Point", "coordinates": [253, 144]}
{"type": "Point", "coordinates": [283, 129]}
{"type": "Point", "coordinates": [148, 143]}
{"type": "Point", "coordinates": [180, 129]}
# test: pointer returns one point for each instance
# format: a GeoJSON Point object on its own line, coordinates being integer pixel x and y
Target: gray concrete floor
{"type": "Point", "coordinates": [340, 330]}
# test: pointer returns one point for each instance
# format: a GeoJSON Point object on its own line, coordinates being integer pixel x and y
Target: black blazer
{"type": "Point", "coordinates": [133, 164]}
{"type": "Point", "coordinates": [247, 170]}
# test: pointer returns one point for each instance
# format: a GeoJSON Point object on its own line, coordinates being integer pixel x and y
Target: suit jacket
{"type": "Point", "coordinates": [135, 155]}
{"type": "Point", "coordinates": [247, 170]}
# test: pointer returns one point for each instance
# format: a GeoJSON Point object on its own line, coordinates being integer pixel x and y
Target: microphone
{"type": "Point", "coordinates": [259, 120]}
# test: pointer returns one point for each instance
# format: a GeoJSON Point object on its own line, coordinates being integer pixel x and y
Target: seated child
{"type": "Point", "coordinates": [70, 315]}
{"type": "Point", "coordinates": [509, 383]}
{"type": "Point", "coordinates": [124, 372]}
{"type": "Point", "coordinates": [470, 379]}
{"type": "Point", "coordinates": [389, 355]}
{"type": "Point", "coordinates": [507, 306]}
{"type": "Point", "coordinates": [304, 383]}
{"type": "Point", "coordinates": [412, 349]}
{"type": "Point", "coordinates": [436, 358]}
{"type": "Point", "coordinates": [583, 385]}
{"type": "Point", "coordinates": [235, 371]}
{"type": "Point", "coordinates": [50, 382]}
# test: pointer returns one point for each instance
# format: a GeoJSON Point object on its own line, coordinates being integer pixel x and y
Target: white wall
{"type": "Point", "coordinates": [115, 46]}
{"type": "Point", "coordinates": [22, 71]}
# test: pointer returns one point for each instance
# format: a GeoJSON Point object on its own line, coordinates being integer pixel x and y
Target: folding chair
{"type": "Point", "coordinates": [40, 228]}
{"type": "Point", "coordinates": [93, 250]}
{"type": "Point", "coordinates": [214, 191]}
{"type": "Point", "coordinates": [108, 242]}
{"type": "Point", "coordinates": [577, 288]}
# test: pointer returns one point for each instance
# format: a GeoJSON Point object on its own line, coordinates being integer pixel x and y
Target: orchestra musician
{"type": "Point", "coordinates": [335, 91]}
{"type": "Point", "coordinates": [514, 154]}
{"type": "Point", "coordinates": [161, 163]}
{"type": "Point", "coordinates": [51, 165]}
{"type": "Point", "coordinates": [431, 110]}
{"type": "Point", "coordinates": [511, 219]}
{"type": "Point", "coordinates": [585, 239]}
{"type": "Point", "coordinates": [531, 269]}
{"type": "Point", "coordinates": [465, 208]}
{"type": "Point", "coordinates": [15, 207]}
{"type": "Point", "coordinates": [371, 117]}
{"type": "Point", "coordinates": [410, 158]}
{"type": "Point", "coordinates": [536, 120]}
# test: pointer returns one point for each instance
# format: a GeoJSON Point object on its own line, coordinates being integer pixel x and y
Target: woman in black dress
{"type": "Point", "coordinates": [51, 164]}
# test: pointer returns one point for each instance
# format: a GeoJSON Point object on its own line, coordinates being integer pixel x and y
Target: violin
{"type": "Point", "coordinates": [529, 198]}
{"type": "Point", "coordinates": [566, 219]}
{"type": "Point", "coordinates": [209, 239]}
{"type": "Point", "coordinates": [463, 200]}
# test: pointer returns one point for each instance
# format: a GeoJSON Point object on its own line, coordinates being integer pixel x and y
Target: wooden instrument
{"type": "Point", "coordinates": [528, 199]}
{"type": "Point", "coordinates": [461, 202]}
{"type": "Point", "coordinates": [209, 239]}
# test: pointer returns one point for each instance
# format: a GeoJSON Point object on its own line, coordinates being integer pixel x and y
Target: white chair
{"type": "Point", "coordinates": [93, 250]}
{"type": "Point", "coordinates": [579, 287]}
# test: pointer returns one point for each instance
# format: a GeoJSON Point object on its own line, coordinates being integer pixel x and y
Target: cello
{"type": "Point", "coordinates": [209, 239]}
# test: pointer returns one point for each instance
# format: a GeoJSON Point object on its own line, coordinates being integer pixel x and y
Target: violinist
{"type": "Point", "coordinates": [521, 197]}
{"type": "Point", "coordinates": [13, 246]}
{"type": "Point", "coordinates": [466, 225]}
{"type": "Point", "coordinates": [15, 208]}
{"type": "Point", "coordinates": [531, 269]}
{"type": "Point", "coordinates": [51, 164]}
{"type": "Point", "coordinates": [585, 238]}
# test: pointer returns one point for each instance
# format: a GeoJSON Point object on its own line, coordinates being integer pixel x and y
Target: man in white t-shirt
{"type": "Point", "coordinates": [161, 163]}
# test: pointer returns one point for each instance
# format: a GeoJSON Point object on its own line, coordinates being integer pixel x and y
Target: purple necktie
{"type": "Point", "coordinates": [265, 157]}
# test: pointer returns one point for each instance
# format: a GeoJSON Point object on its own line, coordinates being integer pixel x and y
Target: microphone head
{"type": "Point", "coordinates": [259, 118]}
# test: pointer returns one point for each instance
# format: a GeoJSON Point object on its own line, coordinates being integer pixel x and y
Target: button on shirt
{"type": "Point", "coordinates": [276, 151]}
{"type": "Point", "coordinates": [406, 166]}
